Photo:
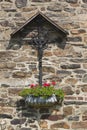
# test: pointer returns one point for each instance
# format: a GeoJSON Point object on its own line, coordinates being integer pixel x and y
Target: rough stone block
{"type": "Point", "coordinates": [68, 110]}
{"type": "Point", "coordinates": [79, 125]}
{"type": "Point", "coordinates": [60, 125]}
{"type": "Point", "coordinates": [20, 3]}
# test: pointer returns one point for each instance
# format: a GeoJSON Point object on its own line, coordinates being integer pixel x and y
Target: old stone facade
{"type": "Point", "coordinates": [67, 66]}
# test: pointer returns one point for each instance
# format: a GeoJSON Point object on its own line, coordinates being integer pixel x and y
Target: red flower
{"type": "Point", "coordinates": [46, 84]}
{"type": "Point", "coordinates": [32, 85]}
{"type": "Point", "coordinates": [53, 83]}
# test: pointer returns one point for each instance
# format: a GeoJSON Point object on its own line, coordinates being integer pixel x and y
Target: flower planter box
{"type": "Point", "coordinates": [42, 96]}
{"type": "Point", "coordinates": [41, 101]}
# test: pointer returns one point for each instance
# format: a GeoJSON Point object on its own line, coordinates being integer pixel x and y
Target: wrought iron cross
{"type": "Point", "coordinates": [40, 43]}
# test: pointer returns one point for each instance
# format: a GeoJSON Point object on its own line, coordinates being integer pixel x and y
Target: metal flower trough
{"type": "Point", "coordinates": [41, 101]}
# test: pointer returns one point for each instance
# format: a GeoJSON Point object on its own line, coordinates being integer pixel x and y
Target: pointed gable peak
{"type": "Point", "coordinates": [40, 15]}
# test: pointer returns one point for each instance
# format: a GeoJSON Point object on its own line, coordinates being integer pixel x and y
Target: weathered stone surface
{"type": "Point", "coordinates": [11, 65]}
{"type": "Point", "coordinates": [70, 66]}
{"type": "Point", "coordinates": [48, 69]}
{"type": "Point", "coordinates": [63, 73]}
{"type": "Point", "coordinates": [3, 65]}
{"type": "Point", "coordinates": [68, 111]}
{"type": "Point", "coordinates": [9, 1]}
{"type": "Point", "coordinates": [55, 117]}
{"type": "Point", "coordinates": [52, 117]}
{"type": "Point", "coordinates": [6, 110]}
{"type": "Point", "coordinates": [71, 10]}
{"type": "Point", "coordinates": [5, 85]}
{"type": "Point", "coordinates": [5, 116]}
{"type": "Point", "coordinates": [24, 128]}
{"type": "Point", "coordinates": [6, 5]}
{"type": "Point", "coordinates": [85, 1]}
{"type": "Point", "coordinates": [7, 54]}
{"type": "Point", "coordinates": [84, 88]}
{"type": "Point", "coordinates": [44, 110]}
{"type": "Point", "coordinates": [66, 63]}
{"type": "Point", "coordinates": [60, 125]}
{"type": "Point", "coordinates": [84, 117]}
{"type": "Point", "coordinates": [71, 81]}
{"type": "Point", "coordinates": [24, 59]}
{"type": "Point", "coordinates": [18, 121]}
{"type": "Point", "coordinates": [10, 127]}
{"type": "Point", "coordinates": [84, 78]}
{"type": "Point", "coordinates": [68, 90]}
{"type": "Point", "coordinates": [20, 3]}
{"type": "Point", "coordinates": [29, 115]}
{"type": "Point", "coordinates": [72, 1]}
{"type": "Point", "coordinates": [79, 125]}
{"type": "Point", "coordinates": [80, 71]}
{"type": "Point", "coordinates": [47, 53]}
{"type": "Point", "coordinates": [14, 91]}
{"type": "Point", "coordinates": [76, 32]}
{"type": "Point", "coordinates": [55, 8]}
{"type": "Point", "coordinates": [85, 66]}
{"type": "Point", "coordinates": [73, 118]}
{"type": "Point", "coordinates": [19, 74]}
{"type": "Point", "coordinates": [41, 0]}
{"type": "Point", "coordinates": [43, 124]}
{"type": "Point", "coordinates": [75, 39]}
{"type": "Point", "coordinates": [79, 60]}
{"type": "Point", "coordinates": [29, 9]}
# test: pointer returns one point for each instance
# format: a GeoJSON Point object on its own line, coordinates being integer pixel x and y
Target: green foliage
{"type": "Point", "coordinates": [42, 91]}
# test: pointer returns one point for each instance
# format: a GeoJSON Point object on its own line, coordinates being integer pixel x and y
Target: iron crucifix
{"type": "Point", "coordinates": [40, 43]}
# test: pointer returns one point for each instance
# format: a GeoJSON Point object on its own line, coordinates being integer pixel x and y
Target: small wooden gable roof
{"type": "Point", "coordinates": [41, 16]}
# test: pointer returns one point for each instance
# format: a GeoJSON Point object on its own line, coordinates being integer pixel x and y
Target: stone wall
{"type": "Point", "coordinates": [67, 66]}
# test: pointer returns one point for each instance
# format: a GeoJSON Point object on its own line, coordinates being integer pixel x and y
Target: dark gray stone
{"type": "Point", "coordinates": [75, 102]}
{"type": "Point", "coordinates": [18, 15]}
{"type": "Point", "coordinates": [44, 110]}
{"type": "Point", "coordinates": [29, 115]}
{"type": "Point", "coordinates": [84, 6]}
{"type": "Point", "coordinates": [78, 60]}
{"type": "Point", "coordinates": [41, 0]}
{"type": "Point", "coordinates": [84, 78]}
{"type": "Point", "coordinates": [70, 66]}
{"type": "Point", "coordinates": [18, 121]}
{"type": "Point", "coordinates": [5, 85]}
{"type": "Point", "coordinates": [10, 1]}
{"type": "Point", "coordinates": [74, 39]}
{"type": "Point", "coordinates": [73, 118]}
{"type": "Point", "coordinates": [26, 129]}
{"type": "Point", "coordinates": [72, 1]}
{"type": "Point", "coordinates": [4, 23]}
{"type": "Point", "coordinates": [55, 8]}
{"type": "Point", "coordinates": [85, 1]}
{"type": "Point", "coordinates": [63, 73]}
{"type": "Point", "coordinates": [30, 121]}
{"type": "Point", "coordinates": [5, 116]}
{"type": "Point", "coordinates": [21, 3]}
{"type": "Point", "coordinates": [67, 90]}
{"type": "Point", "coordinates": [45, 116]}
{"type": "Point", "coordinates": [69, 10]}
{"type": "Point", "coordinates": [80, 71]}
{"type": "Point", "coordinates": [10, 10]}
